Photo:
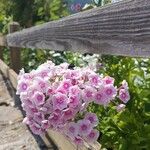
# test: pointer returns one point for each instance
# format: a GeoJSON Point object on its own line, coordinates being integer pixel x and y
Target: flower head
{"type": "Point", "coordinates": [60, 101]}
{"type": "Point", "coordinates": [84, 127]}
{"type": "Point", "coordinates": [124, 95]}
{"type": "Point", "coordinates": [88, 94]}
{"type": "Point", "coordinates": [38, 98]}
{"type": "Point", "coordinates": [92, 118]}
{"type": "Point", "coordinates": [72, 130]}
{"type": "Point", "coordinates": [92, 136]}
{"type": "Point", "coordinates": [108, 80]}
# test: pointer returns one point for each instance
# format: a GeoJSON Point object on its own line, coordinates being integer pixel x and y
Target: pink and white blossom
{"type": "Point", "coordinates": [85, 127]}
{"type": "Point", "coordinates": [101, 98]}
{"type": "Point", "coordinates": [38, 98]}
{"type": "Point", "coordinates": [72, 130]}
{"type": "Point", "coordinates": [88, 94]}
{"type": "Point", "coordinates": [78, 141]}
{"type": "Point", "coordinates": [56, 97]}
{"type": "Point", "coordinates": [108, 80]}
{"type": "Point", "coordinates": [92, 136]}
{"type": "Point", "coordinates": [60, 101]}
{"type": "Point", "coordinates": [110, 91]}
{"type": "Point", "coordinates": [124, 95]}
{"type": "Point", "coordinates": [92, 118]}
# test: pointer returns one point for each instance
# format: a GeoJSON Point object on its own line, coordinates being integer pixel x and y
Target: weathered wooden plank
{"type": "Point", "coordinates": [2, 41]}
{"type": "Point", "coordinates": [65, 144]}
{"type": "Point", "coordinates": [117, 29]}
{"type": "Point", "coordinates": [15, 58]}
{"type": "Point", "coordinates": [9, 73]}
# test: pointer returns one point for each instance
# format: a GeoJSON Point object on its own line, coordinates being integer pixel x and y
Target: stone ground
{"type": "Point", "coordinates": [13, 134]}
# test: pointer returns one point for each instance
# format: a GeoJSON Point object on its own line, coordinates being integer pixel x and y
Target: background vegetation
{"type": "Point", "coordinates": [127, 130]}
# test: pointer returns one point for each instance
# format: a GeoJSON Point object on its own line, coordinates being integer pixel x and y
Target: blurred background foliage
{"type": "Point", "coordinates": [127, 130]}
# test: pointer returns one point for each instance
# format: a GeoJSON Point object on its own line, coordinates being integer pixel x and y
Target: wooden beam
{"type": "Point", "coordinates": [15, 54]}
{"type": "Point", "coordinates": [9, 73]}
{"type": "Point", "coordinates": [2, 41]}
{"type": "Point", "coordinates": [65, 144]}
{"type": "Point", "coordinates": [117, 29]}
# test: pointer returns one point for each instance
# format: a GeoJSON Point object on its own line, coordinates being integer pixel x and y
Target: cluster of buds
{"type": "Point", "coordinates": [56, 97]}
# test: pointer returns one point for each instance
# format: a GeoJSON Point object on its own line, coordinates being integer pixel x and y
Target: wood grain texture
{"type": "Point", "coordinates": [117, 29]}
{"type": "Point", "coordinates": [9, 73]}
{"type": "Point", "coordinates": [65, 144]}
{"type": "Point", "coordinates": [15, 56]}
{"type": "Point", "coordinates": [2, 41]}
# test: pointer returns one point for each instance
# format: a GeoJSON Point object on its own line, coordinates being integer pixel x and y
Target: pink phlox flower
{"type": "Point", "coordinates": [72, 74]}
{"type": "Point", "coordinates": [88, 94]}
{"type": "Point", "coordinates": [59, 101]}
{"type": "Point", "coordinates": [28, 102]}
{"type": "Point", "coordinates": [92, 118]}
{"type": "Point", "coordinates": [32, 89]}
{"type": "Point", "coordinates": [38, 117]}
{"type": "Point", "coordinates": [74, 91]}
{"type": "Point", "coordinates": [22, 86]}
{"type": "Point", "coordinates": [66, 84]}
{"type": "Point", "coordinates": [84, 127]}
{"type": "Point", "coordinates": [29, 110]}
{"type": "Point", "coordinates": [72, 130]}
{"type": "Point", "coordinates": [44, 73]}
{"type": "Point", "coordinates": [124, 95]}
{"type": "Point", "coordinates": [94, 79]}
{"type": "Point", "coordinates": [41, 84]}
{"type": "Point", "coordinates": [54, 119]}
{"type": "Point", "coordinates": [101, 98]}
{"type": "Point", "coordinates": [27, 76]}
{"type": "Point", "coordinates": [92, 136]}
{"type": "Point", "coordinates": [108, 80]}
{"type": "Point", "coordinates": [38, 98]}
{"type": "Point", "coordinates": [124, 85]}
{"type": "Point", "coordinates": [36, 129]}
{"type": "Point", "coordinates": [69, 113]}
{"type": "Point", "coordinates": [74, 101]}
{"type": "Point", "coordinates": [78, 141]}
{"type": "Point", "coordinates": [110, 91]}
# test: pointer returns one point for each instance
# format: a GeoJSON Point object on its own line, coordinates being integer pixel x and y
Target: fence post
{"type": "Point", "coordinates": [15, 59]}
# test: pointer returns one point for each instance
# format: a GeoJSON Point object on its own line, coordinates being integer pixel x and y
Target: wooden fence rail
{"type": "Point", "coordinates": [117, 29]}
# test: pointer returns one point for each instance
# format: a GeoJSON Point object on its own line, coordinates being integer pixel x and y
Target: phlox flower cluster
{"type": "Point", "coordinates": [56, 97]}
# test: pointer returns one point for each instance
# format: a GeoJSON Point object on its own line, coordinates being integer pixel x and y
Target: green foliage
{"type": "Point", "coordinates": [130, 129]}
